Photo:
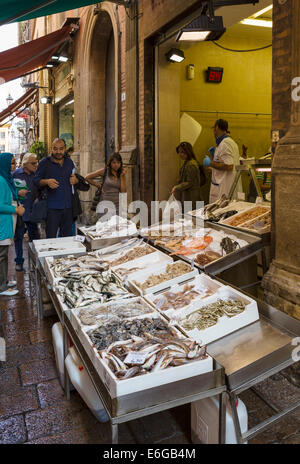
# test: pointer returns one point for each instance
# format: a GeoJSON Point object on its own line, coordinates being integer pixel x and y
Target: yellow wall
{"type": "Point", "coordinates": [246, 88]}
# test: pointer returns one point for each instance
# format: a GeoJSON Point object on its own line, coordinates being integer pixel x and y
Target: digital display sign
{"type": "Point", "coordinates": [214, 75]}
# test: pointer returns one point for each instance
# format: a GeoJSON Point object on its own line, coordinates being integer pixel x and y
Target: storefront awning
{"type": "Point", "coordinates": [32, 55]}
{"type": "Point", "coordinates": [20, 104]}
{"type": "Point", "coordinates": [20, 10]}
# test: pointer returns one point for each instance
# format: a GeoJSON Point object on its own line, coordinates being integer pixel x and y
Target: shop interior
{"type": "Point", "coordinates": [188, 105]}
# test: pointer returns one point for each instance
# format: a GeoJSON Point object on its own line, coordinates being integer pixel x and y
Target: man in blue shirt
{"type": "Point", "coordinates": [23, 178]}
{"type": "Point", "coordinates": [57, 174]}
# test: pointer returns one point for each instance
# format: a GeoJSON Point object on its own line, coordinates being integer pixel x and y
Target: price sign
{"type": "Point", "coordinates": [79, 238]}
{"type": "Point", "coordinates": [134, 357]}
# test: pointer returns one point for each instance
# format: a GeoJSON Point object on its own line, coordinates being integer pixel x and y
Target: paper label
{"type": "Point", "coordinates": [79, 238]}
{"type": "Point", "coordinates": [135, 357]}
{"type": "Point", "coordinates": [241, 196]}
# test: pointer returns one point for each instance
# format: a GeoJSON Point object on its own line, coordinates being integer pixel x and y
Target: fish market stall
{"type": "Point", "coordinates": [220, 210]}
{"type": "Point", "coordinates": [165, 328]}
{"type": "Point", "coordinates": [212, 249]}
{"type": "Point", "coordinates": [107, 233]}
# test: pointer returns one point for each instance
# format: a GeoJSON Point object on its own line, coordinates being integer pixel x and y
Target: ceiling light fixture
{"type": "Point", "coordinates": [262, 12]}
{"type": "Point", "coordinates": [202, 28]}
{"type": "Point", "coordinates": [46, 100]}
{"type": "Point", "coordinates": [175, 55]}
{"type": "Point", "coordinates": [257, 22]}
{"type": "Point", "coordinates": [63, 59]}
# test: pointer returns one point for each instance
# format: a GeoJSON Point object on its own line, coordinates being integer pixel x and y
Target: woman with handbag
{"type": "Point", "coordinates": [8, 218]}
{"type": "Point", "coordinates": [113, 183]}
{"type": "Point", "coordinates": [191, 177]}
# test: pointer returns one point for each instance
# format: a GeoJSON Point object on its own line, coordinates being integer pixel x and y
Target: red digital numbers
{"type": "Point", "coordinates": [214, 75]}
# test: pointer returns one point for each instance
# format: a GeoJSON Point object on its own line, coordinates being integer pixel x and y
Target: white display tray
{"type": "Point", "coordinates": [79, 326]}
{"type": "Point", "coordinates": [113, 252]}
{"type": "Point", "coordinates": [199, 281]}
{"type": "Point", "coordinates": [140, 277]}
{"type": "Point", "coordinates": [262, 230]}
{"type": "Point", "coordinates": [64, 246]}
{"type": "Point", "coordinates": [237, 216]}
{"type": "Point", "coordinates": [143, 263]}
{"type": "Point", "coordinates": [48, 260]}
{"type": "Point", "coordinates": [225, 325]}
{"type": "Point", "coordinates": [239, 206]}
{"type": "Point", "coordinates": [118, 387]}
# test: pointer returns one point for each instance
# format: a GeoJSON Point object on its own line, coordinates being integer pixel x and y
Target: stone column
{"type": "Point", "coordinates": [282, 281]}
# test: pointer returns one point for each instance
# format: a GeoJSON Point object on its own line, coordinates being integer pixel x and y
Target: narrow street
{"type": "Point", "coordinates": [33, 408]}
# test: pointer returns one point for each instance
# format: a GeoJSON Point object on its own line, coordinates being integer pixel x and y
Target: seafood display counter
{"type": "Point", "coordinates": [103, 234]}
{"type": "Point", "coordinates": [213, 249]}
{"type": "Point", "coordinates": [246, 340]}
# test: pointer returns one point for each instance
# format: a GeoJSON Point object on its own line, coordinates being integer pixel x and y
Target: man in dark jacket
{"type": "Point", "coordinates": [57, 173]}
{"type": "Point", "coordinates": [23, 178]}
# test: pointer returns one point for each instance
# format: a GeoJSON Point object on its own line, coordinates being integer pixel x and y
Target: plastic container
{"type": "Point", "coordinates": [205, 421]}
{"type": "Point", "coordinates": [83, 384]}
{"type": "Point", "coordinates": [58, 345]}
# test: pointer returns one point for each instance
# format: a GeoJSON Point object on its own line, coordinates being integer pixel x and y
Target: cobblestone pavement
{"type": "Point", "coordinates": [33, 408]}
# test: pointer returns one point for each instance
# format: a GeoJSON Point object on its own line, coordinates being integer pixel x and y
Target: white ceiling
{"type": "Point", "coordinates": [234, 14]}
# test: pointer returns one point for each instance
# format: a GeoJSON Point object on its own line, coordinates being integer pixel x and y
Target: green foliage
{"type": "Point", "coordinates": [39, 149]}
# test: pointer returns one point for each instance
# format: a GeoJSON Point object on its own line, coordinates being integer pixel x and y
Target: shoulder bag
{"type": "Point", "coordinates": [39, 206]}
{"type": "Point", "coordinates": [97, 195]}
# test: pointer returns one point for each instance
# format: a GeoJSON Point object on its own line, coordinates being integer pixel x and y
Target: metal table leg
{"type": "Point", "coordinates": [66, 375]}
{"type": "Point", "coordinates": [233, 401]}
{"type": "Point", "coordinates": [222, 417]}
{"type": "Point", "coordinates": [39, 298]}
{"type": "Point", "coordinates": [114, 433]}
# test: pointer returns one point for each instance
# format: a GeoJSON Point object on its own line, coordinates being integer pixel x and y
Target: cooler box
{"type": "Point", "coordinates": [83, 384]}
{"type": "Point", "coordinates": [58, 345]}
{"type": "Point", "coordinates": [205, 421]}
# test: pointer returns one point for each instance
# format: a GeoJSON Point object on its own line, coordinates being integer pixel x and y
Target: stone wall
{"type": "Point", "coordinates": [282, 71]}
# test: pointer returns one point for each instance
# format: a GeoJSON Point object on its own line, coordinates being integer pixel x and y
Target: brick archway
{"type": "Point", "coordinates": [90, 85]}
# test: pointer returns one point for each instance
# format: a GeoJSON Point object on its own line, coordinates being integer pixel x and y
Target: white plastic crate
{"type": "Point", "coordinates": [58, 247]}
{"type": "Point", "coordinates": [141, 277]}
{"type": "Point", "coordinates": [200, 282]}
{"type": "Point", "coordinates": [78, 325]}
{"type": "Point", "coordinates": [225, 325]}
{"type": "Point", "coordinates": [143, 263]}
{"type": "Point", "coordinates": [118, 387]}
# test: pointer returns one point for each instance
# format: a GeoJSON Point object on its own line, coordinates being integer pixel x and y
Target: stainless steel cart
{"type": "Point", "coordinates": [253, 354]}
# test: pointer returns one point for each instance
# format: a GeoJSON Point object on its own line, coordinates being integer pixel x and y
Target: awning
{"type": "Point", "coordinates": [20, 10]}
{"type": "Point", "coordinates": [32, 55]}
{"type": "Point", "coordinates": [20, 104]}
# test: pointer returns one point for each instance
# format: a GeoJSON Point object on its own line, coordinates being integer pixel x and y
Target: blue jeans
{"type": "Point", "coordinates": [33, 234]}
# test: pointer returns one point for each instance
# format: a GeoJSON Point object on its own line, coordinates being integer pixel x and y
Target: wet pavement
{"type": "Point", "coordinates": [33, 408]}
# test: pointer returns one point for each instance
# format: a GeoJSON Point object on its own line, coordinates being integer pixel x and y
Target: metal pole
{"type": "Point", "coordinates": [233, 400]}
{"type": "Point", "coordinates": [257, 186]}
{"type": "Point", "coordinates": [114, 433]}
{"type": "Point", "coordinates": [222, 418]}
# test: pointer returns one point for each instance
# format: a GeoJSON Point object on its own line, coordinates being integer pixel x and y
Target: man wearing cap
{"type": "Point", "coordinates": [23, 178]}
{"type": "Point", "coordinates": [225, 158]}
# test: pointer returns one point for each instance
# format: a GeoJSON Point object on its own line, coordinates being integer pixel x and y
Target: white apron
{"type": "Point", "coordinates": [221, 181]}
